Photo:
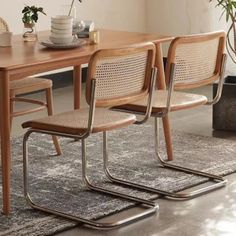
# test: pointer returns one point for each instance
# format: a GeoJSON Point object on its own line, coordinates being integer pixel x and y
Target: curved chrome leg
{"type": "Point", "coordinates": [121, 181]}
{"type": "Point", "coordinates": [107, 191]}
{"type": "Point", "coordinates": [151, 207]}
{"type": "Point", "coordinates": [218, 180]}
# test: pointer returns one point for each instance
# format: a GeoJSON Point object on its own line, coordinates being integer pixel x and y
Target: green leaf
{"type": "Point", "coordinates": [30, 13]}
{"type": "Point", "coordinates": [228, 8]}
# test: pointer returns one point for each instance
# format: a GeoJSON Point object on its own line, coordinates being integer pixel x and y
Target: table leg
{"type": "Point", "coordinates": [162, 85]}
{"type": "Point", "coordinates": [5, 140]}
{"type": "Point", "coordinates": [77, 86]}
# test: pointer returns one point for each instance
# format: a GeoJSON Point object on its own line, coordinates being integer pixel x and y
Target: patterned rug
{"type": "Point", "coordinates": [56, 181]}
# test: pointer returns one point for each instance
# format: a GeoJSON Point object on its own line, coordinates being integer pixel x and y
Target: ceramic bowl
{"type": "Point", "coordinates": [61, 31]}
{"type": "Point", "coordinates": [62, 19]}
{"type": "Point", "coordinates": [66, 40]}
{"type": "Point", "coordinates": [61, 26]}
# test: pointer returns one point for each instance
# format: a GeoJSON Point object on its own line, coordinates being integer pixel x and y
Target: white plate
{"type": "Point", "coordinates": [61, 39]}
{"type": "Point", "coordinates": [74, 44]}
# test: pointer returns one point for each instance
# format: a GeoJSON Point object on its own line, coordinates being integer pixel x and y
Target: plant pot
{"type": "Point", "coordinates": [29, 32]}
{"type": "Point", "coordinates": [224, 112]}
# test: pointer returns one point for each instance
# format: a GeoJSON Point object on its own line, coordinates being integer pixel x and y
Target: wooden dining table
{"type": "Point", "coordinates": [29, 58]}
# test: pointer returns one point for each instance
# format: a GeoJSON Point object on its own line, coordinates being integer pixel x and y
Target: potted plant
{"type": "Point", "coordinates": [30, 17]}
{"type": "Point", "coordinates": [224, 112]}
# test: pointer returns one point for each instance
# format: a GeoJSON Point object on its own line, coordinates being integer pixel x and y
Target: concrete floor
{"type": "Point", "coordinates": [209, 215]}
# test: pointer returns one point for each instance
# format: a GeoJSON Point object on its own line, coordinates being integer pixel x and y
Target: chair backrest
{"type": "Point", "coordinates": [3, 25]}
{"type": "Point", "coordinates": [122, 75]}
{"type": "Point", "coordinates": [197, 58]}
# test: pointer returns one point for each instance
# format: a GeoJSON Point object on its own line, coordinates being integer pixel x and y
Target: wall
{"type": "Point", "coordinates": [182, 17]}
{"type": "Point", "coordinates": [178, 17]}
{"type": "Point", "coordinates": [127, 15]}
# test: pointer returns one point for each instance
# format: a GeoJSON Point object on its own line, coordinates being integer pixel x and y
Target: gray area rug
{"type": "Point", "coordinates": [56, 181]}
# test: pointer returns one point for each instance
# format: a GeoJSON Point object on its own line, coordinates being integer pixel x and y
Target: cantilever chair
{"type": "Point", "coordinates": [29, 85]}
{"type": "Point", "coordinates": [193, 61]}
{"type": "Point", "coordinates": [115, 77]}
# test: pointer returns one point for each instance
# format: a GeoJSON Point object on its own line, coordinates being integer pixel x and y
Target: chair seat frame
{"type": "Point", "coordinates": [41, 106]}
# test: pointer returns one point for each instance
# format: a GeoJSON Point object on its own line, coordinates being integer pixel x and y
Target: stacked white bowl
{"type": "Point", "coordinates": [61, 29]}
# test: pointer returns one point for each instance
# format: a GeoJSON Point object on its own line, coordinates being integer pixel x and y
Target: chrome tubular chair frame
{"type": "Point", "coordinates": [148, 206]}
{"type": "Point", "coordinates": [151, 206]}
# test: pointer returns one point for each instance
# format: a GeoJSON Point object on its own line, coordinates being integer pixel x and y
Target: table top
{"type": "Point", "coordinates": [29, 54]}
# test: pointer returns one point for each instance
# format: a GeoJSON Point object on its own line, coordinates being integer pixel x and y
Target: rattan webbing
{"type": "Point", "coordinates": [3, 25]}
{"type": "Point", "coordinates": [196, 61]}
{"type": "Point", "coordinates": [120, 76]}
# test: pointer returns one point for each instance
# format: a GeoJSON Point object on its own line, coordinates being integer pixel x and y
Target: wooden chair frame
{"type": "Point", "coordinates": [150, 207]}
{"type": "Point", "coordinates": [196, 39]}
{"type": "Point", "coordinates": [40, 104]}
{"type": "Point", "coordinates": [218, 181]}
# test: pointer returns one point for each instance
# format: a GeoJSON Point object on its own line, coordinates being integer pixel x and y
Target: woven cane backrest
{"type": "Point", "coordinates": [197, 59]}
{"type": "Point", "coordinates": [3, 25]}
{"type": "Point", "coordinates": [122, 75]}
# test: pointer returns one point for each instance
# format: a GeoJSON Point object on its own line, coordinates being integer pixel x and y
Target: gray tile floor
{"type": "Point", "coordinates": [209, 215]}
